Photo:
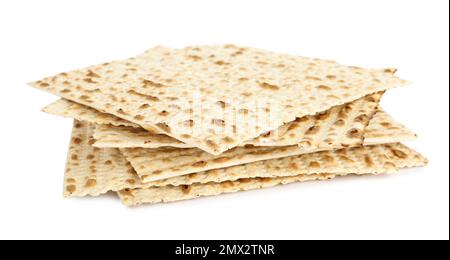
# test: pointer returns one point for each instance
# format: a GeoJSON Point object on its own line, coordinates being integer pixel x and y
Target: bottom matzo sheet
{"type": "Point", "coordinates": [400, 156]}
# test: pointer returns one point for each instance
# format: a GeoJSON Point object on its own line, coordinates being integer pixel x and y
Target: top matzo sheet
{"type": "Point", "coordinates": [216, 97]}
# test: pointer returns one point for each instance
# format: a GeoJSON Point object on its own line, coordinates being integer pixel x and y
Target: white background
{"type": "Point", "coordinates": [41, 38]}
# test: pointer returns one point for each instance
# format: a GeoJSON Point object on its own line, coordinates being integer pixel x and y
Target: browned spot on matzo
{"type": "Point", "coordinates": [71, 188]}
{"type": "Point", "coordinates": [268, 86]}
{"type": "Point", "coordinates": [312, 130]}
{"type": "Point", "coordinates": [144, 106]}
{"type": "Point", "coordinates": [222, 104]}
{"type": "Point", "coordinates": [199, 164]}
{"type": "Point", "coordinates": [221, 159]}
{"type": "Point", "coordinates": [139, 117]}
{"type": "Point", "coordinates": [120, 111]}
{"type": "Point", "coordinates": [148, 83]}
{"type": "Point", "coordinates": [77, 140]}
{"type": "Point", "coordinates": [185, 189]}
{"type": "Point", "coordinates": [323, 87]}
{"type": "Point", "coordinates": [194, 57]}
{"type": "Point", "coordinates": [188, 123]}
{"type": "Point", "coordinates": [221, 63]}
{"type": "Point", "coordinates": [399, 153]}
{"type": "Point", "coordinates": [228, 139]}
{"type": "Point", "coordinates": [89, 80]}
{"type": "Point", "coordinates": [164, 127]}
{"type": "Point", "coordinates": [323, 115]}
{"type": "Point", "coordinates": [91, 183]}
{"type": "Point", "coordinates": [92, 74]}
{"type": "Point", "coordinates": [354, 133]}
{"type": "Point", "coordinates": [147, 97]}
{"type": "Point", "coordinates": [314, 164]}
{"type": "Point", "coordinates": [163, 113]}
{"type": "Point", "coordinates": [362, 118]}
{"type": "Point", "coordinates": [126, 193]}
{"type": "Point", "coordinates": [368, 161]}
{"type": "Point", "coordinates": [218, 122]}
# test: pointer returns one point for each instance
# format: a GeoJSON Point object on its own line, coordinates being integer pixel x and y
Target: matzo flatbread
{"type": "Point", "coordinates": [223, 87]}
{"type": "Point", "coordinates": [109, 136]}
{"type": "Point", "coordinates": [93, 171]}
{"type": "Point", "coordinates": [137, 197]}
{"type": "Point", "coordinates": [134, 197]}
{"type": "Point", "coordinates": [67, 108]}
{"type": "Point", "coordinates": [373, 159]}
{"type": "Point", "coordinates": [163, 163]}
{"type": "Point", "coordinates": [383, 127]}
{"type": "Point", "coordinates": [341, 125]}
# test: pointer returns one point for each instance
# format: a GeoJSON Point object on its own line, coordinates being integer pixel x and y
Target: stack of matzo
{"type": "Point", "coordinates": [175, 124]}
